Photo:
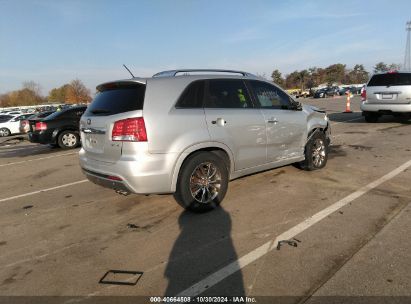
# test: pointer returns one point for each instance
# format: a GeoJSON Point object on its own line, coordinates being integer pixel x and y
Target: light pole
{"type": "Point", "coordinates": [407, 57]}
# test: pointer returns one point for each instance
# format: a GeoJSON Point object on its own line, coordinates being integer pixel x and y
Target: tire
{"type": "Point", "coordinates": [316, 152]}
{"type": "Point", "coordinates": [371, 117]}
{"type": "Point", "coordinates": [68, 139]}
{"type": "Point", "coordinates": [209, 196]}
{"type": "Point", "coordinates": [4, 132]}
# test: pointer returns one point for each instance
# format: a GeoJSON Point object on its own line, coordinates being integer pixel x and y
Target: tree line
{"type": "Point", "coordinates": [335, 73]}
{"type": "Point", "coordinates": [76, 92]}
{"type": "Point", "coordinates": [73, 92]}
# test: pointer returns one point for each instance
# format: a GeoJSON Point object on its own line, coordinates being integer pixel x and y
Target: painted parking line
{"type": "Point", "coordinates": [42, 190]}
{"type": "Point", "coordinates": [36, 159]}
{"type": "Point", "coordinates": [257, 253]}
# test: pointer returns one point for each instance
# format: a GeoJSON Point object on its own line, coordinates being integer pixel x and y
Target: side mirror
{"type": "Point", "coordinates": [296, 106]}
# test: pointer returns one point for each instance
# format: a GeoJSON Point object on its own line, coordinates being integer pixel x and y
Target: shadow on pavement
{"type": "Point", "coordinates": [25, 150]}
{"type": "Point", "coordinates": [203, 247]}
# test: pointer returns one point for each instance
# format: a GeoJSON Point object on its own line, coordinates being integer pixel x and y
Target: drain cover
{"type": "Point", "coordinates": [121, 277]}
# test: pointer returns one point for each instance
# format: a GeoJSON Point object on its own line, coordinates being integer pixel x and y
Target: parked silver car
{"type": "Point", "coordinates": [189, 132]}
{"type": "Point", "coordinates": [387, 93]}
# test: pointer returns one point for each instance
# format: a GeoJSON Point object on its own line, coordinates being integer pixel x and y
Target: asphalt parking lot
{"type": "Point", "coordinates": [59, 233]}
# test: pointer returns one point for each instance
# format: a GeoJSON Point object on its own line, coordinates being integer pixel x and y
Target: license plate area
{"type": "Point", "coordinates": [93, 142]}
{"type": "Point", "coordinates": [387, 96]}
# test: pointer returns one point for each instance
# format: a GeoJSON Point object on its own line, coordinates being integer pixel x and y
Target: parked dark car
{"type": "Point", "coordinates": [326, 92]}
{"type": "Point", "coordinates": [25, 125]}
{"type": "Point", "coordinates": [58, 129]}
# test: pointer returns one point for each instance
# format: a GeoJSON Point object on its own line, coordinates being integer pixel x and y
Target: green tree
{"type": "Point", "coordinates": [292, 80]}
{"type": "Point", "coordinates": [277, 78]}
{"type": "Point", "coordinates": [380, 67]}
{"type": "Point", "coordinates": [394, 66]}
{"type": "Point", "coordinates": [58, 94]}
{"type": "Point", "coordinates": [335, 73]}
{"type": "Point", "coordinates": [357, 75]}
{"type": "Point", "coordinates": [303, 77]}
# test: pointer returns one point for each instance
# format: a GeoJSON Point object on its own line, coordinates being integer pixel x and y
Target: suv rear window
{"type": "Point", "coordinates": [390, 79]}
{"type": "Point", "coordinates": [117, 98]}
{"type": "Point", "coordinates": [192, 96]}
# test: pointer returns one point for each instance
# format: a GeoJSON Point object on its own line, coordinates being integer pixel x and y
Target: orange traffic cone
{"type": "Point", "coordinates": [348, 105]}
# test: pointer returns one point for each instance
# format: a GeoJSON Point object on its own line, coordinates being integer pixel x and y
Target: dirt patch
{"type": "Point", "coordinates": [327, 178]}
{"type": "Point", "coordinates": [279, 173]}
{"type": "Point", "coordinates": [63, 227]}
{"type": "Point", "coordinates": [127, 204]}
{"type": "Point", "coordinates": [360, 147]}
{"type": "Point", "coordinates": [393, 127]}
{"type": "Point", "coordinates": [44, 173]}
{"type": "Point", "coordinates": [336, 151]}
{"type": "Point", "coordinates": [10, 279]}
{"type": "Point", "coordinates": [2, 243]}
{"type": "Point", "coordinates": [356, 132]}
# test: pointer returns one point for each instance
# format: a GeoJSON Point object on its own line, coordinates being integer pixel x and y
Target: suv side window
{"type": "Point", "coordinates": [269, 96]}
{"type": "Point", "coordinates": [192, 96]}
{"type": "Point", "coordinates": [227, 93]}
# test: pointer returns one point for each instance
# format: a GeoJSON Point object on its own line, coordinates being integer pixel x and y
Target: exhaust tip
{"type": "Point", "coordinates": [123, 192]}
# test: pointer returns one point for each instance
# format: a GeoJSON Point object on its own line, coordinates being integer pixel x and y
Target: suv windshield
{"type": "Point", "coordinates": [117, 98]}
{"type": "Point", "coordinates": [390, 79]}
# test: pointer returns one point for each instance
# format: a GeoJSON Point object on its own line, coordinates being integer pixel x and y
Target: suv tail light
{"type": "Point", "coordinates": [41, 126]}
{"type": "Point", "coordinates": [363, 94]}
{"type": "Point", "coordinates": [130, 129]}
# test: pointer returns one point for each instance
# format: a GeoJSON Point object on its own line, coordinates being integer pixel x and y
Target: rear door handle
{"type": "Point", "coordinates": [272, 120]}
{"type": "Point", "coordinates": [219, 122]}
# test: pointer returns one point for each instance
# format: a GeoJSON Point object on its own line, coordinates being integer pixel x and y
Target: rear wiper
{"type": "Point", "coordinates": [100, 111]}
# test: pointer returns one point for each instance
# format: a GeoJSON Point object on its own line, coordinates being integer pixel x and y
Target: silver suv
{"type": "Point", "coordinates": [189, 132]}
{"type": "Point", "coordinates": [387, 93]}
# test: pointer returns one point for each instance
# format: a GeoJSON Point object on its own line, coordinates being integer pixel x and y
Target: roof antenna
{"type": "Point", "coordinates": [128, 70]}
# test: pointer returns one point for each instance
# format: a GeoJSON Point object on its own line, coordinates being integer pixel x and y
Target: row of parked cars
{"type": "Point", "coordinates": [335, 91]}
{"type": "Point", "coordinates": [56, 128]}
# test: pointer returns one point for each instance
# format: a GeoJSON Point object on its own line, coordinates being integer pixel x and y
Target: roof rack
{"type": "Point", "coordinates": [173, 73]}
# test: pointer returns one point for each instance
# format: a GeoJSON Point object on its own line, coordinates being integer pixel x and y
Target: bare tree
{"type": "Point", "coordinates": [33, 87]}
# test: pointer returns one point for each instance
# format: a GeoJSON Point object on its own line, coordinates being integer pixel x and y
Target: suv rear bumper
{"type": "Point", "coordinates": [149, 174]}
{"type": "Point", "coordinates": [384, 107]}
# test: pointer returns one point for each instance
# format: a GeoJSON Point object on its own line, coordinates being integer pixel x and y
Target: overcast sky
{"type": "Point", "coordinates": [53, 42]}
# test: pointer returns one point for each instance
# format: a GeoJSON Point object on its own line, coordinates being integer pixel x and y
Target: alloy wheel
{"type": "Point", "coordinates": [318, 152]}
{"type": "Point", "coordinates": [205, 182]}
